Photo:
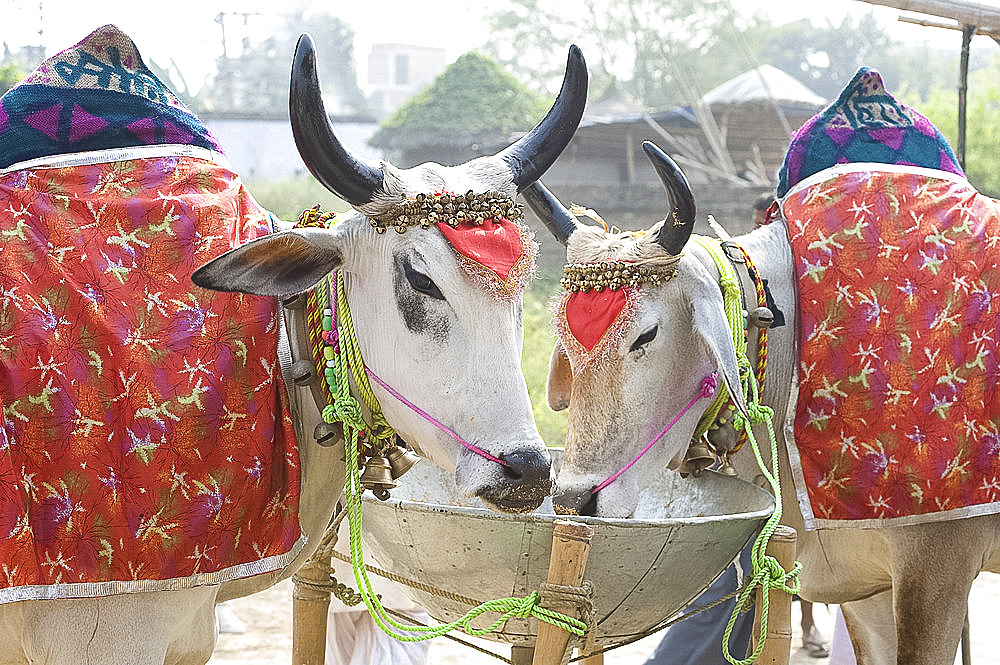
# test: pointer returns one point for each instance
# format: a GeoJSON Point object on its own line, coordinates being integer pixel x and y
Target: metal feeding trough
{"type": "Point", "coordinates": [685, 533]}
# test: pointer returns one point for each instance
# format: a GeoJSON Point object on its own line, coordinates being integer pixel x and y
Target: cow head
{"type": "Point", "coordinates": [427, 324]}
{"type": "Point", "coordinates": [640, 328]}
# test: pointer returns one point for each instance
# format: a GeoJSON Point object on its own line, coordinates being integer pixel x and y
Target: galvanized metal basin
{"type": "Point", "coordinates": [685, 533]}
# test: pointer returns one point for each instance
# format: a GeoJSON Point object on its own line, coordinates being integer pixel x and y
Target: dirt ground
{"type": "Point", "coordinates": [268, 638]}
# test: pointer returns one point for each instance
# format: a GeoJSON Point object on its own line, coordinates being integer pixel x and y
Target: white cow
{"type": "Point", "coordinates": [903, 589]}
{"type": "Point", "coordinates": [425, 327]}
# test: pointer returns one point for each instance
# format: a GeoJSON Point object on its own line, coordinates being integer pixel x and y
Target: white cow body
{"type": "Point", "coordinates": [904, 589]}
{"type": "Point", "coordinates": [424, 326]}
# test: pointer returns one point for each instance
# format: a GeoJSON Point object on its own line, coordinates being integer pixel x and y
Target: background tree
{"type": "Point", "coordinates": [10, 74]}
{"type": "Point", "coordinates": [474, 101]}
{"type": "Point", "coordinates": [256, 81]}
{"type": "Point", "coordinates": [982, 134]}
{"type": "Point", "coordinates": [825, 58]}
{"type": "Point", "coordinates": [665, 53]}
{"type": "Point", "coordinates": [642, 46]}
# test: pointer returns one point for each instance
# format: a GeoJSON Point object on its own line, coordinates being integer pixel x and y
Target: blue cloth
{"type": "Point", "coordinates": [698, 639]}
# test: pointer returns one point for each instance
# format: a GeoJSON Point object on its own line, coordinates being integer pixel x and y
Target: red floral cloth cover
{"type": "Point", "coordinates": [898, 415]}
{"type": "Point", "coordinates": [146, 434]}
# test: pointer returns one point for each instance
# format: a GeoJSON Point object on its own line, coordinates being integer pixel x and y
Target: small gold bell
{"type": "Point", "coordinates": [401, 460]}
{"type": "Point", "coordinates": [377, 477]}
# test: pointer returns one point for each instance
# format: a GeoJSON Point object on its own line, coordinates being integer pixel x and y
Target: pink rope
{"type": "Point", "coordinates": [708, 386]}
{"type": "Point", "coordinates": [433, 421]}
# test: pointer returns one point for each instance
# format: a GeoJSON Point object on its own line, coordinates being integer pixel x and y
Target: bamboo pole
{"type": "Point", "coordinates": [570, 548]}
{"type": "Point", "coordinates": [310, 606]}
{"type": "Point", "coordinates": [963, 11]}
{"type": "Point", "coordinates": [778, 640]}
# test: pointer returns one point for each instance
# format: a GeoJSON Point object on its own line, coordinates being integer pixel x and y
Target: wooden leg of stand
{"type": "Point", "coordinates": [522, 655]}
{"type": "Point", "coordinates": [309, 614]}
{"type": "Point", "coordinates": [596, 659]}
{"type": "Point", "coordinates": [778, 642]}
{"type": "Point", "coordinates": [570, 548]}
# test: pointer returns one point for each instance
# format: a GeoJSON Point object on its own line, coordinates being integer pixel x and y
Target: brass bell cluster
{"type": "Point", "coordinates": [385, 466]}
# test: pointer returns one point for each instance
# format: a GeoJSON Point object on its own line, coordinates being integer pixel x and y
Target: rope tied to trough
{"type": "Point", "coordinates": [344, 365]}
{"type": "Point", "coordinates": [767, 573]}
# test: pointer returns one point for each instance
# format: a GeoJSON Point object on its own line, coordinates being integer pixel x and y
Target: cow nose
{"type": "Point", "coordinates": [527, 467]}
{"type": "Point", "coordinates": [575, 502]}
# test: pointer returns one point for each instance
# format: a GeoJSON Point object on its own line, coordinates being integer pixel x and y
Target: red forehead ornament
{"type": "Point", "coordinates": [598, 302]}
{"type": "Point", "coordinates": [482, 228]}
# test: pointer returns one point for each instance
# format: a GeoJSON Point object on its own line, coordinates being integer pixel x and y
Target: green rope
{"type": "Point", "coordinates": [347, 410]}
{"type": "Point", "coordinates": [767, 573]}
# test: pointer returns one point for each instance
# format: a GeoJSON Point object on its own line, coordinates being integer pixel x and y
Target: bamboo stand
{"type": "Point", "coordinates": [310, 606]}
{"type": "Point", "coordinates": [570, 548]}
{"type": "Point", "coordinates": [778, 642]}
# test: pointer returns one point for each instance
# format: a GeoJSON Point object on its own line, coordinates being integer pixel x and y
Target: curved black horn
{"type": "Point", "coordinates": [679, 224]}
{"type": "Point", "coordinates": [557, 219]}
{"type": "Point", "coordinates": [532, 154]}
{"type": "Point", "coordinates": [347, 175]}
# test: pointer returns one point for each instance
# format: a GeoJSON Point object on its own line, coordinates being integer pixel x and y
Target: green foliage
{"type": "Point", "coordinates": [472, 100]}
{"type": "Point", "coordinates": [982, 134]}
{"type": "Point", "coordinates": [287, 198]}
{"type": "Point", "coordinates": [9, 75]}
{"type": "Point", "coordinates": [539, 337]}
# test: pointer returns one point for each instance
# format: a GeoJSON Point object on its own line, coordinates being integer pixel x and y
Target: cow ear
{"type": "Point", "coordinates": [282, 264]}
{"type": "Point", "coordinates": [559, 385]}
{"type": "Point", "coordinates": [715, 335]}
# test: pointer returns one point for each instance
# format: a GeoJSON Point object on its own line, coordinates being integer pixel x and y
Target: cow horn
{"type": "Point", "coordinates": [531, 155]}
{"type": "Point", "coordinates": [344, 173]}
{"type": "Point", "coordinates": [557, 219]}
{"type": "Point", "coordinates": [679, 224]}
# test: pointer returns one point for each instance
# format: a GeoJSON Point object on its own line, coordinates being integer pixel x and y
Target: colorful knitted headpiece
{"type": "Point", "coordinates": [96, 95]}
{"type": "Point", "coordinates": [864, 124]}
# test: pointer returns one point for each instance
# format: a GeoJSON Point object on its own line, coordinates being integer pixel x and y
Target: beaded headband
{"type": "Point", "coordinates": [427, 210]}
{"type": "Point", "coordinates": [617, 274]}
{"type": "Point", "coordinates": [493, 247]}
{"type": "Point", "coordinates": [599, 300]}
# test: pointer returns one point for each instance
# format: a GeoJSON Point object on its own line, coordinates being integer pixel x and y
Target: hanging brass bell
{"type": "Point", "coordinates": [727, 469]}
{"type": "Point", "coordinates": [401, 460]}
{"type": "Point", "coordinates": [698, 458]}
{"type": "Point", "coordinates": [377, 477]}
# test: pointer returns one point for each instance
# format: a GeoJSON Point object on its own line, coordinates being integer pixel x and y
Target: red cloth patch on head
{"type": "Point", "coordinates": [590, 314]}
{"type": "Point", "coordinates": [497, 246]}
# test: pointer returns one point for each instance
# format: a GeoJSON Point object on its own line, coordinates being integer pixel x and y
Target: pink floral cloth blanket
{"type": "Point", "coordinates": [146, 441]}
{"type": "Point", "coordinates": [898, 415]}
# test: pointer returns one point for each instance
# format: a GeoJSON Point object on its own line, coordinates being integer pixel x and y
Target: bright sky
{"type": "Point", "coordinates": [193, 38]}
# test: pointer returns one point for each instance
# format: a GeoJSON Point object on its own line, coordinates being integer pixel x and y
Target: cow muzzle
{"type": "Point", "coordinates": [519, 485]}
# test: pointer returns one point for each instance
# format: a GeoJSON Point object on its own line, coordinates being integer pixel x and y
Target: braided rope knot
{"type": "Point", "coordinates": [345, 410]}
{"type": "Point", "coordinates": [773, 576]}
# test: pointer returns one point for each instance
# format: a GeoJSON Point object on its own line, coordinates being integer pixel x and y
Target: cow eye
{"type": "Point", "coordinates": [422, 283]}
{"type": "Point", "coordinates": [644, 339]}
